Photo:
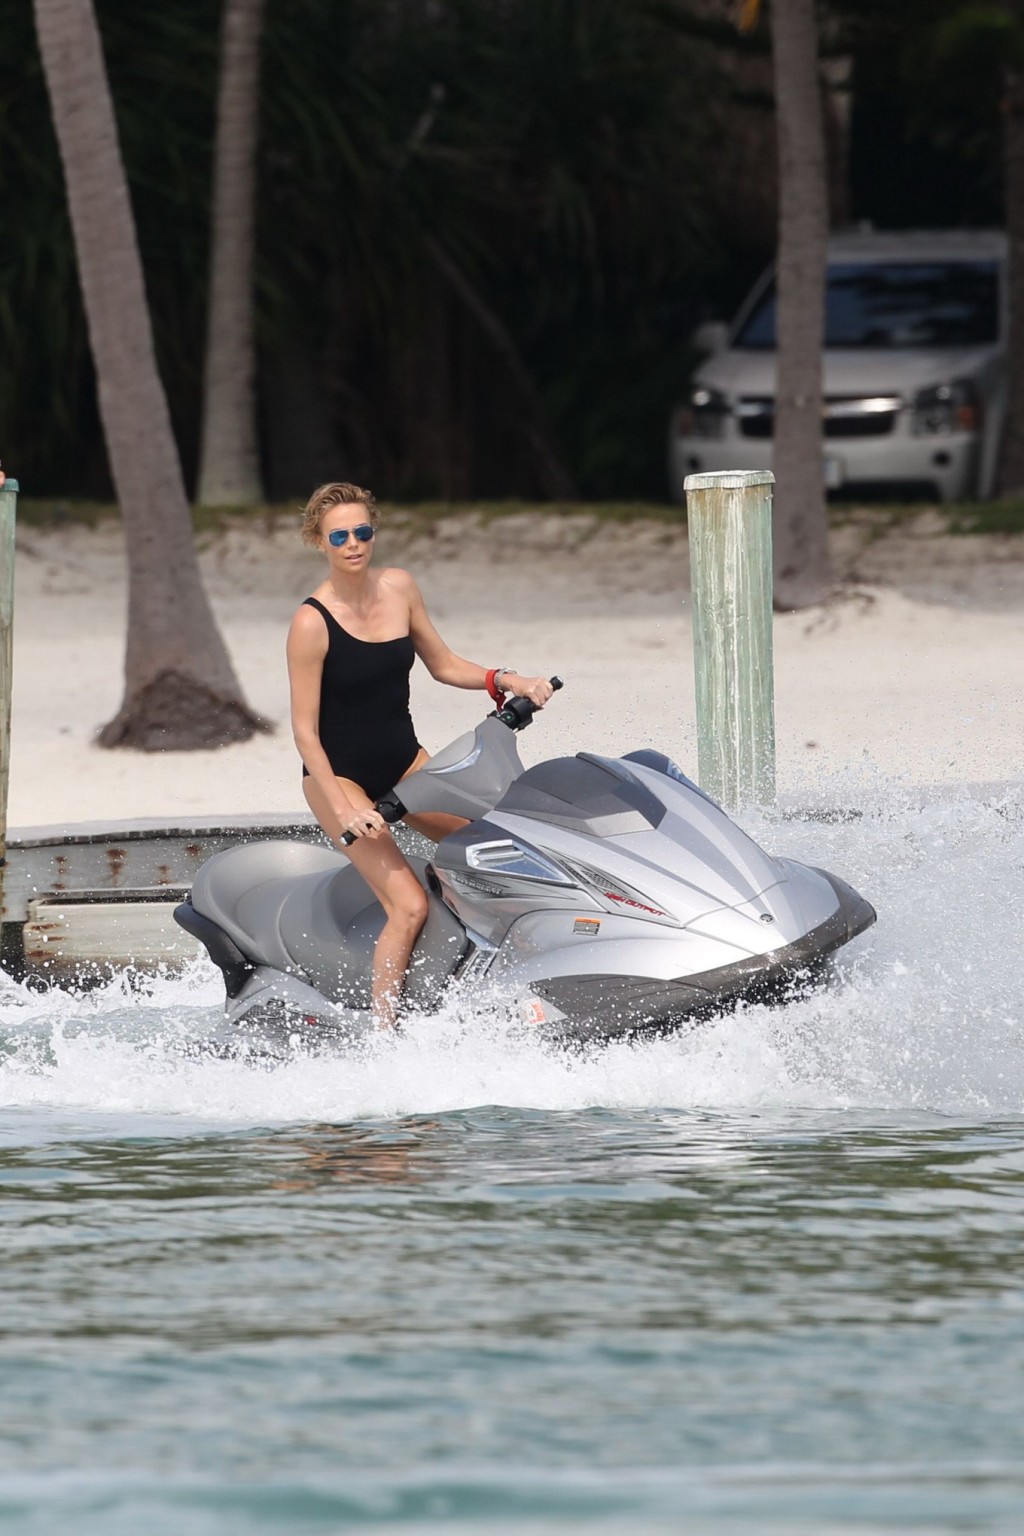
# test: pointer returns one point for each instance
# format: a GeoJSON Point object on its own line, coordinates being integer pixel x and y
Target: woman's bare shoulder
{"type": "Point", "coordinates": [401, 582]}
{"type": "Point", "coordinates": [306, 614]}
{"type": "Point", "coordinates": [395, 576]}
{"type": "Point", "coordinates": [307, 626]}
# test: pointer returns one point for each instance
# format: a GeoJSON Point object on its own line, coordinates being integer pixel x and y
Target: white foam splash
{"type": "Point", "coordinates": [925, 1011]}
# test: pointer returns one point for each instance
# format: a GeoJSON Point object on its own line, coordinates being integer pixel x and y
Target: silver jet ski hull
{"type": "Point", "coordinates": [606, 897]}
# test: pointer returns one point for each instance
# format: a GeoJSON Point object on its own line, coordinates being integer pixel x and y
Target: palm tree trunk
{"type": "Point", "coordinates": [180, 687]}
{"type": "Point", "coordinates": [801, 524]}
{"type": "Point", "coordinates": [1010, 477]}
{"type": "Point", "coordinates": [229, 473]}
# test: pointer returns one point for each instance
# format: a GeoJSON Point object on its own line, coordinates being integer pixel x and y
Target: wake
{"type": "Point", "coordinates": [923, 1012]}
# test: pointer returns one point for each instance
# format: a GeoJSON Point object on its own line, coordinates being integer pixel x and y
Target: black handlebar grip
{"type": "Point", "coordinates": [517, 712]}
{"type": "Point", "coordinates": [389, 806]}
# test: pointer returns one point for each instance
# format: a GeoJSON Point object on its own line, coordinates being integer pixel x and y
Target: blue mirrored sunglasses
{"type": "Point", "coordinates": [339, 536]}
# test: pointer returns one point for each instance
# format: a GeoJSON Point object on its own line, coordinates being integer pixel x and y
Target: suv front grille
{"type": "Point", "coordinates": [845, 415]}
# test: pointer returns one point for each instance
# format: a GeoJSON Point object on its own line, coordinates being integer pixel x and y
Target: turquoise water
{"type": "Point", "coordinates": [765, 1277]}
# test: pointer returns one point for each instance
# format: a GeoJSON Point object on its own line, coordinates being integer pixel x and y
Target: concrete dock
{"type": "Point", "coordinates": [86, 899]}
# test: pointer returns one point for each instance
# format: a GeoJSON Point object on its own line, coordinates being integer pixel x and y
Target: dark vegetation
{"type": "Point", "coordinates": [487, 227]}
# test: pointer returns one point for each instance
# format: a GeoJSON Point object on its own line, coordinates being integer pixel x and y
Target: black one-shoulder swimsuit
{"type": "Point", "coordinates": [365, 725]}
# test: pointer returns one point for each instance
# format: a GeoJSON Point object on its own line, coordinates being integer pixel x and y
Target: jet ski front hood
{"type": "Point", "coordinates": [655, 849]}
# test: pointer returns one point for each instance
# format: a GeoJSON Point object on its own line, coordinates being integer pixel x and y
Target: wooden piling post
{"type": "Point", "coordinates": [8, 512]}
{"type": "Point", "coordinates": [730, 531]}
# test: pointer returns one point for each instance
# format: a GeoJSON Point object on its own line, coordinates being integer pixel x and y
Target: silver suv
{"type": "Point", "coordinates": [914, 369]}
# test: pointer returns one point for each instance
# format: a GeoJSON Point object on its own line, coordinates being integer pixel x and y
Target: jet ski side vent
{"type": "Point", "coordinates": [509, 858]}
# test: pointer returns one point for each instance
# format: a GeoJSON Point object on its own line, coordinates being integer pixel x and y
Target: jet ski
{"type": "Point", "coordinates": [607, 897]}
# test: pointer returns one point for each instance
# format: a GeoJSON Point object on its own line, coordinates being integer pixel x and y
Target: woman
{"type": "Point", "coordinates": [351, 648]}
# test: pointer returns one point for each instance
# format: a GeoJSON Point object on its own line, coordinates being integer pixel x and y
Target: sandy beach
{"type": "Point", "coordinates": [912, 672]}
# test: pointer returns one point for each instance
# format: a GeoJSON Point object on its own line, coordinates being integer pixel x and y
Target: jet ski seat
{"type": "Point", "coordinates": [306, 910]}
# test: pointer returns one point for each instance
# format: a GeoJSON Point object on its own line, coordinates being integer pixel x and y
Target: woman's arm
{"type": "Point", "coordinates": [307, 647]}
{"type": "Point", "coordinates": [443, 664]}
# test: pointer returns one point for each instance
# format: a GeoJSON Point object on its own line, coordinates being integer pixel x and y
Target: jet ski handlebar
{"type": "Point", "coordinates": [516, 714]}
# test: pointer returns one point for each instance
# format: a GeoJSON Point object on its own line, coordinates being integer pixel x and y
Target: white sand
{"type": "Point", "coordinates": [913, 672]}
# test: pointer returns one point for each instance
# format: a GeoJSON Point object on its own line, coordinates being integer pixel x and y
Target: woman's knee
{"type": "Point", "coordinates": [407, 903]}
{"type": "Point", "coordinates": [416, 906]}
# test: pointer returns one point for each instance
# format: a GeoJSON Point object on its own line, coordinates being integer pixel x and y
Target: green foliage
{"type": "Point", "coordinates": [876, 519]}
{"type": "Point", "coordinates": [45, 375]}
{"type": "Point", "coordinates": [973, 40]}
{"type": "Point", "coordinates": [550, 149]}
{"type": "Point", "coordinates": [162, 66]}
{"type": "Point", "coordinates": [435, 177]}
{"type": "Point", "coordinates": [927, 131]}
{"type": "Point", "coordinates": [1004, 517]}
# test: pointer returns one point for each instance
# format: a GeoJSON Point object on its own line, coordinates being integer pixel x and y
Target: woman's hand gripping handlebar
{"type": "Point", "coordinates": [516, 714]}
{"type": "Point", "coordinates": [389, 809]}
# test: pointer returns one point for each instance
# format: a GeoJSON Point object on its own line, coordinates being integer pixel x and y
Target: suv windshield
{"type": "Point", "coordinates": [896, 304]}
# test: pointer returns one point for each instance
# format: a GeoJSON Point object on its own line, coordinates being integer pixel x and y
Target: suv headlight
{"type": "Point", "coordinates": [946, 408]}
{"type": "Point", "coordinates": [704, 414]}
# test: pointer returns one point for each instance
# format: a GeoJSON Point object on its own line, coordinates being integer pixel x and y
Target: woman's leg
{"type": "Point", "coordinates": [389, 877]}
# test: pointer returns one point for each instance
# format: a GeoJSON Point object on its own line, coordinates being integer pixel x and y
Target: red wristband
{"type": "Point", "coordinates": [496, 693]}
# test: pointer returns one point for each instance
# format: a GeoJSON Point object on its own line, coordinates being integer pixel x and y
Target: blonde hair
{"type": "Point", "coordinates": [336, 493]}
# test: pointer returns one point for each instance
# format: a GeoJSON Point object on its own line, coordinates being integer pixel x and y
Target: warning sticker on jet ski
{"type": "Point", "coordinates": [586, 925]}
